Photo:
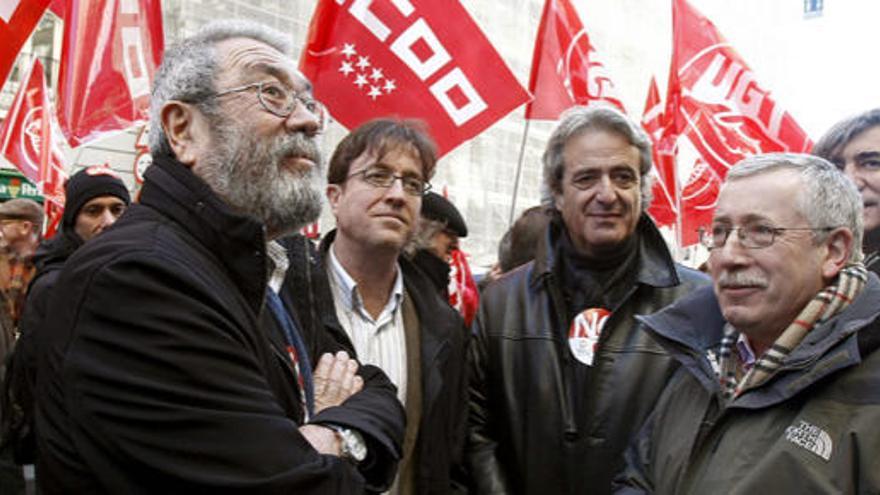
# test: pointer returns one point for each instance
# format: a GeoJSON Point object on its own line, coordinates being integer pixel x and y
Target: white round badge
{"type": "Point", "coordinates": [583, 335]}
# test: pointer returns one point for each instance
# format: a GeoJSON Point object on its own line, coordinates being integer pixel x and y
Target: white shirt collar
{"type": "Point", "coordinates": [348, 289]}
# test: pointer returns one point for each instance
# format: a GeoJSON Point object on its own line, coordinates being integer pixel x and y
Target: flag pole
{"type": "Point", "coordinates": [519, 165]}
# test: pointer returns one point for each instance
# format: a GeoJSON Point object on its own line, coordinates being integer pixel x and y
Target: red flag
{"type": "Point", "coordinates": [721, 113]}
{"type": "Point", "coordinates": [110, 53]}
{"type": "Point", "coordinates": [664, 207]}
{"type": "Point", "coordinates": [18, 18]}
{"type": "Point", "coordinates": [565, 69]}
{"type": "Point", "coordinates": [423, 59]}
{"type": "Point", "coordinates": [28, 138]}
{"type": "Point", "coordinates": [463, 293]}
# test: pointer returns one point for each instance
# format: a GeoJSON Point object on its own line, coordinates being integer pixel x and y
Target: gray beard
{"type": "Point", "coordinates": [246, 172]}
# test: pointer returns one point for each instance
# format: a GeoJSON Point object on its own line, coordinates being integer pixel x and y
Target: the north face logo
{"type": "Point", "coordinates": [810, 437]}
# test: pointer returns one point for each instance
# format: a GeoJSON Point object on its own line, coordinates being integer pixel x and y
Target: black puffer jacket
{"type": "Point", "coordinates": [525, 433]}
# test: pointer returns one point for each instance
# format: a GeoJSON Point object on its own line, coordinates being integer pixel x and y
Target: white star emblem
{"type": "Point", "coordinates": [346, 68]}
{"type": "Point", "coordinates": [389, 85]}
{"type": "Point", "coordinates": [348, 50]}
{"type": "Point", "coordinates": [361, 80]}
{"type": "Point", "coordinates": [377, 74]}
{"type": "Point", "coordinates": [375, 92]}
{"type": "Point", "coordinates": [363, 62]}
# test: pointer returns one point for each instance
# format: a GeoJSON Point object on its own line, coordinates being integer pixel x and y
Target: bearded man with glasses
{"type": "Point", "coordinates": [779, 385]}
{"type": "Point", "coordinates": [172, 364]}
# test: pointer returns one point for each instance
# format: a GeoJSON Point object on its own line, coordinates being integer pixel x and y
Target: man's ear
{"type": "Point", "coordinates": [184, 128]}
{"type": "Point", "coordinates": [839, 247]}
{"type": "Point", "coordinates": [333, 192]}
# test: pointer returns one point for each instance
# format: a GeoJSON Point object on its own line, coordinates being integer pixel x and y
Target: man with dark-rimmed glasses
{"type": "Point", "coordinates": [779, 388]}
{"type": "Point", "coordinates": [172, 362]}
{"type": "Point", "coordinates": [384, 305]}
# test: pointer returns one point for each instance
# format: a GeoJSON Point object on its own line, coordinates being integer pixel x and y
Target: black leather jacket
{"type": "Point", "coordinates": [525, 435]}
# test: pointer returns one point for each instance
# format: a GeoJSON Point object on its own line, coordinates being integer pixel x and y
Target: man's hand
{"type": "Point", "coordinates": [322, 439]}
{"type": "Point", "coordinates": [335, 380]}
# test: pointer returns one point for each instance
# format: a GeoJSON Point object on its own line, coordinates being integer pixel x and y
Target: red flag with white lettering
{"type": "Point", "coordinates": [18, 18]}
{"type": "Point", "coordinates": [565, 68]}
{"type": "Point", "coordinates": [663, 208]}
{"type": "Point", "coordinates": [423, 59]}
{"type": "Point", "coordinates": [721, 113]}
{"type": "Point", "coordinates": [111, 51]}
{"type": "Point", "coordinates": [28, 138]}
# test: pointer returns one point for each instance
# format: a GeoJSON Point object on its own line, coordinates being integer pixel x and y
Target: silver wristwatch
{"type": "Point", "coordinates": [353, 445]}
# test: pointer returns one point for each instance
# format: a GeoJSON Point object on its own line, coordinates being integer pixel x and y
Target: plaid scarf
{"type": "Point", "coordinates": [827, 303]}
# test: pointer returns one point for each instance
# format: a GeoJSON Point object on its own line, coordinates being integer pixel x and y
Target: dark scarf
{"type": "Point", "coordinates": [591, 282]}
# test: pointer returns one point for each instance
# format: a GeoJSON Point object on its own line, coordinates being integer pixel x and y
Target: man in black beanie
{"type": "Point", "coordinates": [95, 197]}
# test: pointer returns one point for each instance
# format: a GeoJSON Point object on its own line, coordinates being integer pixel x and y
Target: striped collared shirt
{"type": "Point", "coordinates": [381, 341]}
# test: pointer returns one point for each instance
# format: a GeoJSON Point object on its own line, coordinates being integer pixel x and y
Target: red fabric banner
{"type": "Point", "coordinates": [664, 207]}
{"type": "Point", "coordinates": [463, 293]}
{"type": "Point", "coordinates": [423, 59]}
{"type": "Point", "coordinates": [111, 51]}
{"type": "Point", "coordinates": [721, 113]}
{"type": "Point", "coordinates": [18, 18]}
{"type": "Point", "coordinates": [28, 139]}
{"type": "Point", "coordinates": [565, 68]}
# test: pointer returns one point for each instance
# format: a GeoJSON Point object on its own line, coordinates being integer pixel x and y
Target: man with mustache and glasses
{"type": "Point", "coordinates": [172, 363]}
{"type": "Point", "coordinates": [384, 306]}
{"type": "Point", "coordinates": [561, 373]}
{"type": "Point", "coordinates": [779, 385]}
{"type": "Point", "coordinates": [853, 145]}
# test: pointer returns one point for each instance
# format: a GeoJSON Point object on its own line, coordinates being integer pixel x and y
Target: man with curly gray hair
{"type": "Point", "coordinates": [562, 374]}
{"type": "Point", "coordinates": [173, 363]}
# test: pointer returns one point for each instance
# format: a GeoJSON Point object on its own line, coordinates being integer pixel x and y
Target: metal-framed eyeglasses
{"type": "Point", "coordinates": [754, 236]}
{"type": "Point", "coordinates": [383, 177]}
{"type": "Point", "coordinates": [279, 100]}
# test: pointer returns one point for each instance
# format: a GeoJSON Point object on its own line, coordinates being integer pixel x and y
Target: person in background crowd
{"type": "Point", "coordinates": [95, 197]}
{"type": "Point", "coordinates": [779, 385]}
{"type": "Point", "coordinates": [389, 310]}
{"type": "Point", "coordinates": [562, 375]}
{"type": "Point", "coordinates": [520, 242]}
{"type": "Point", "coordinates": [21, 226]}
{"type": "Point", "coordinates": [156, 373]}
{"type": "Point", "coordinates": [853, 145]}
{"type": "Point", "coordinates": [440, 225]}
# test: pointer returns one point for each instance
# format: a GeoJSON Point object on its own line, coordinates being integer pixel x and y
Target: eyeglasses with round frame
{"type": "Point", "coordinates": [754, 236]}
{"type": "Point", "coordinates": [281, 101]}
{"type": "Point", "coordinates": [382, 177]}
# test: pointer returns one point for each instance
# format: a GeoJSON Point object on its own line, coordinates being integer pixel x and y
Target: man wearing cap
{"type": "Point", "coordinates": [95, 197]}
{"type": "Point", "coordinates": [21, 224]}
{"type": "Point", "coordinates": [439, 228]}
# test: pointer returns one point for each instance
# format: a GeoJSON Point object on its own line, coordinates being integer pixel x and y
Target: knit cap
{"type": "Point", "coordinates": [89, 183]}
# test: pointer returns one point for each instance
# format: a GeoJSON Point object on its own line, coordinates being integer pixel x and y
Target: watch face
{"type": "Point", "coordinates": [353, 445]}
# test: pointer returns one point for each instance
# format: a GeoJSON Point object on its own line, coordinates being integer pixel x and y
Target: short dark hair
{"type": "Point", "coordinates": [832, 142]}
{"type": "Point", "coordinates": [379, 137]}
